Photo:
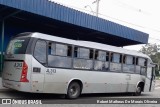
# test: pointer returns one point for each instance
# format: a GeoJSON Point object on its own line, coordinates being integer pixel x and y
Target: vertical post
{"type": "Point", "coordinates": [97, 10]}
{"type": "Point", "coordinates": [2, 42]}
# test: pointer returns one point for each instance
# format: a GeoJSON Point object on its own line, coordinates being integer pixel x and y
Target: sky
{"type": "Point", "coordinates": [142, 15]}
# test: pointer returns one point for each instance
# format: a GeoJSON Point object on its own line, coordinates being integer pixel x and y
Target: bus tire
{"type": "Point", "coordinates": [138, 91]}
{"type": "Point", "coordinates": [74, 90]}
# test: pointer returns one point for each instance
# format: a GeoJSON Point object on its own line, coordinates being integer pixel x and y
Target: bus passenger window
{"type": "Point", "coordinates": [115, 64]}
{"type": "Point", "coordinates": [116, 58]}
{"type": "Point", "coordinates": [60, 55]}
{"type": "Point", "coordinates": [51, 48]}
{"type": "Point", "coordinates": [141, 66]}
{"type": "Point", "coordinates": [100, 63]}
{"type": "Point", "coordinates": [128, 65]}
{"type": "Point", "coordinates": [83, 58]}
{"type": "Point", "coordinates": [82, 53]}
{"type": "Point", "coordinates": [101, 55]}
{"type": "Point", "coordinates": [128, 59]}
{"type": "Point", "coordinates": [61, 50]}
{"type": "Point", "coordinates": [40, 51]}
{"type": "Point", "coordinates": [141, 61]}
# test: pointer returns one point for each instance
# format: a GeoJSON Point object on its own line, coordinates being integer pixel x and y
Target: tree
{"type": "Point", "coordinates": [152, 50]}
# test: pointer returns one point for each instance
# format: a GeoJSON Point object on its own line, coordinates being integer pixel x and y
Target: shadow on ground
{"type": "Point", "coordinates": [43, 96]}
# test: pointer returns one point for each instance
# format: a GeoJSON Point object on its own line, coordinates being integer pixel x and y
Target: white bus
{"type": "Point", "coordinates": [40, 63]}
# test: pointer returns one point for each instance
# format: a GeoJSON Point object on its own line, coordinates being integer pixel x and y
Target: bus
{"type": "Point", "coordinates": [41, 63]}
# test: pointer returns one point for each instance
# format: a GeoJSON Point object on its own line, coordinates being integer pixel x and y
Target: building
{"type": "Point", "coordinates": [43, 16]}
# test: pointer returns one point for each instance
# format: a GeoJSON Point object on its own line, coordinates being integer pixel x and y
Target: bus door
{"type": "Point", "coordinates": [38, 66]}
{"type": "Point", "coordinates": [152, 80]}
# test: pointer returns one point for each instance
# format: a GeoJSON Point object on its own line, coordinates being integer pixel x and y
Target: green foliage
{"type": "Point", "coordinates": [152, 50]}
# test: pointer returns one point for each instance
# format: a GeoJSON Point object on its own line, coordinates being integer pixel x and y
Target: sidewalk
{"type": "Point", "coordinates": [157, 83]}
{"type": "Point", "coordinates": [1, 87]}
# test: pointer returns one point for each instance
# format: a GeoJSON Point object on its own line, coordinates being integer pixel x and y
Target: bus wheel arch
{"type": "Point", "coordinates": [139, 88]}
{"type": "Point", "coordinates": [76, 86]}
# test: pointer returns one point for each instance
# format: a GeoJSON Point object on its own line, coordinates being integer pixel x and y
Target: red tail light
{"type": "Point", "coordinates": [24, 73]}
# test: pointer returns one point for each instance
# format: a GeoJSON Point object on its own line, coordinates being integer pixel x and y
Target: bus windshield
{"type": "Point", "coordinates": [18, 46]}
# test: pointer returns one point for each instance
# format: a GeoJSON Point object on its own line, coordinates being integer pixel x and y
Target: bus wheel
{"type": "Point", "coordinates": [138, 91]}
{"type": "Point", "coordinates": [74, 90]}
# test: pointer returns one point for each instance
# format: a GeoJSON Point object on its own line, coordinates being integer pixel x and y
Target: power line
{"type": "Point", "coordinates": [107, 16]}
{"type": "Point", "coordinates": [131, 7]}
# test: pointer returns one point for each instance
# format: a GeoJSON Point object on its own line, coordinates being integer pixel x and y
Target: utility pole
{"type": "Point", "coordinates": [97, 9]}
{"type": "Point", "coordinates": [90, 8]}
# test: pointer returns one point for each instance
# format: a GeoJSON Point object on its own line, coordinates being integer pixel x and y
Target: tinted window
{"type": "Point", "coordinates": [116, 58]}
{"type": "Point", "coordinates": [142, 61]}
{"type": "Point", "coordinates": [85, 55]}
{"type": "Point", "coordinates": [40, 51]}
{"type": "Point", "coordinates": [59, 49]}
{"type": "Point", "coordinates": [128, 59]}
{"type": "Point", "coordinates": [100, 55]}
{"type": "Point", "coordinates": [128, 64]}
{"type": "Point", "coordinates": [82, 53]}
{"type": "Point", "coordinates": [59, 55]}
{"type": "Point", "coordinates": [17, 46]}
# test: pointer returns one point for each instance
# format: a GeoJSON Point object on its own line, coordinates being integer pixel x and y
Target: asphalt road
{"type": "Point", "coordinates": [59, 100]}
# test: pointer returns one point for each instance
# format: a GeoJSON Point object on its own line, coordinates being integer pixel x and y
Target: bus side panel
{"type": "Point", "coordinates": [133, 82]}
{"type": "Point", "coordinates": [37, 76]}
{"type": "Point", "coordinates": [56, 80]}
{"type": "Point", "coordinates": [107, 82]}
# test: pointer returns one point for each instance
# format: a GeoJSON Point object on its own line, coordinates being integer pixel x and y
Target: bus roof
{"type": "Point", "coordinates": [89, 44]}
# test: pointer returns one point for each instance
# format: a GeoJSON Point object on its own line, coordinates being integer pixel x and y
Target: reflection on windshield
{"type": "Point", "coordinates": [17, 46]}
